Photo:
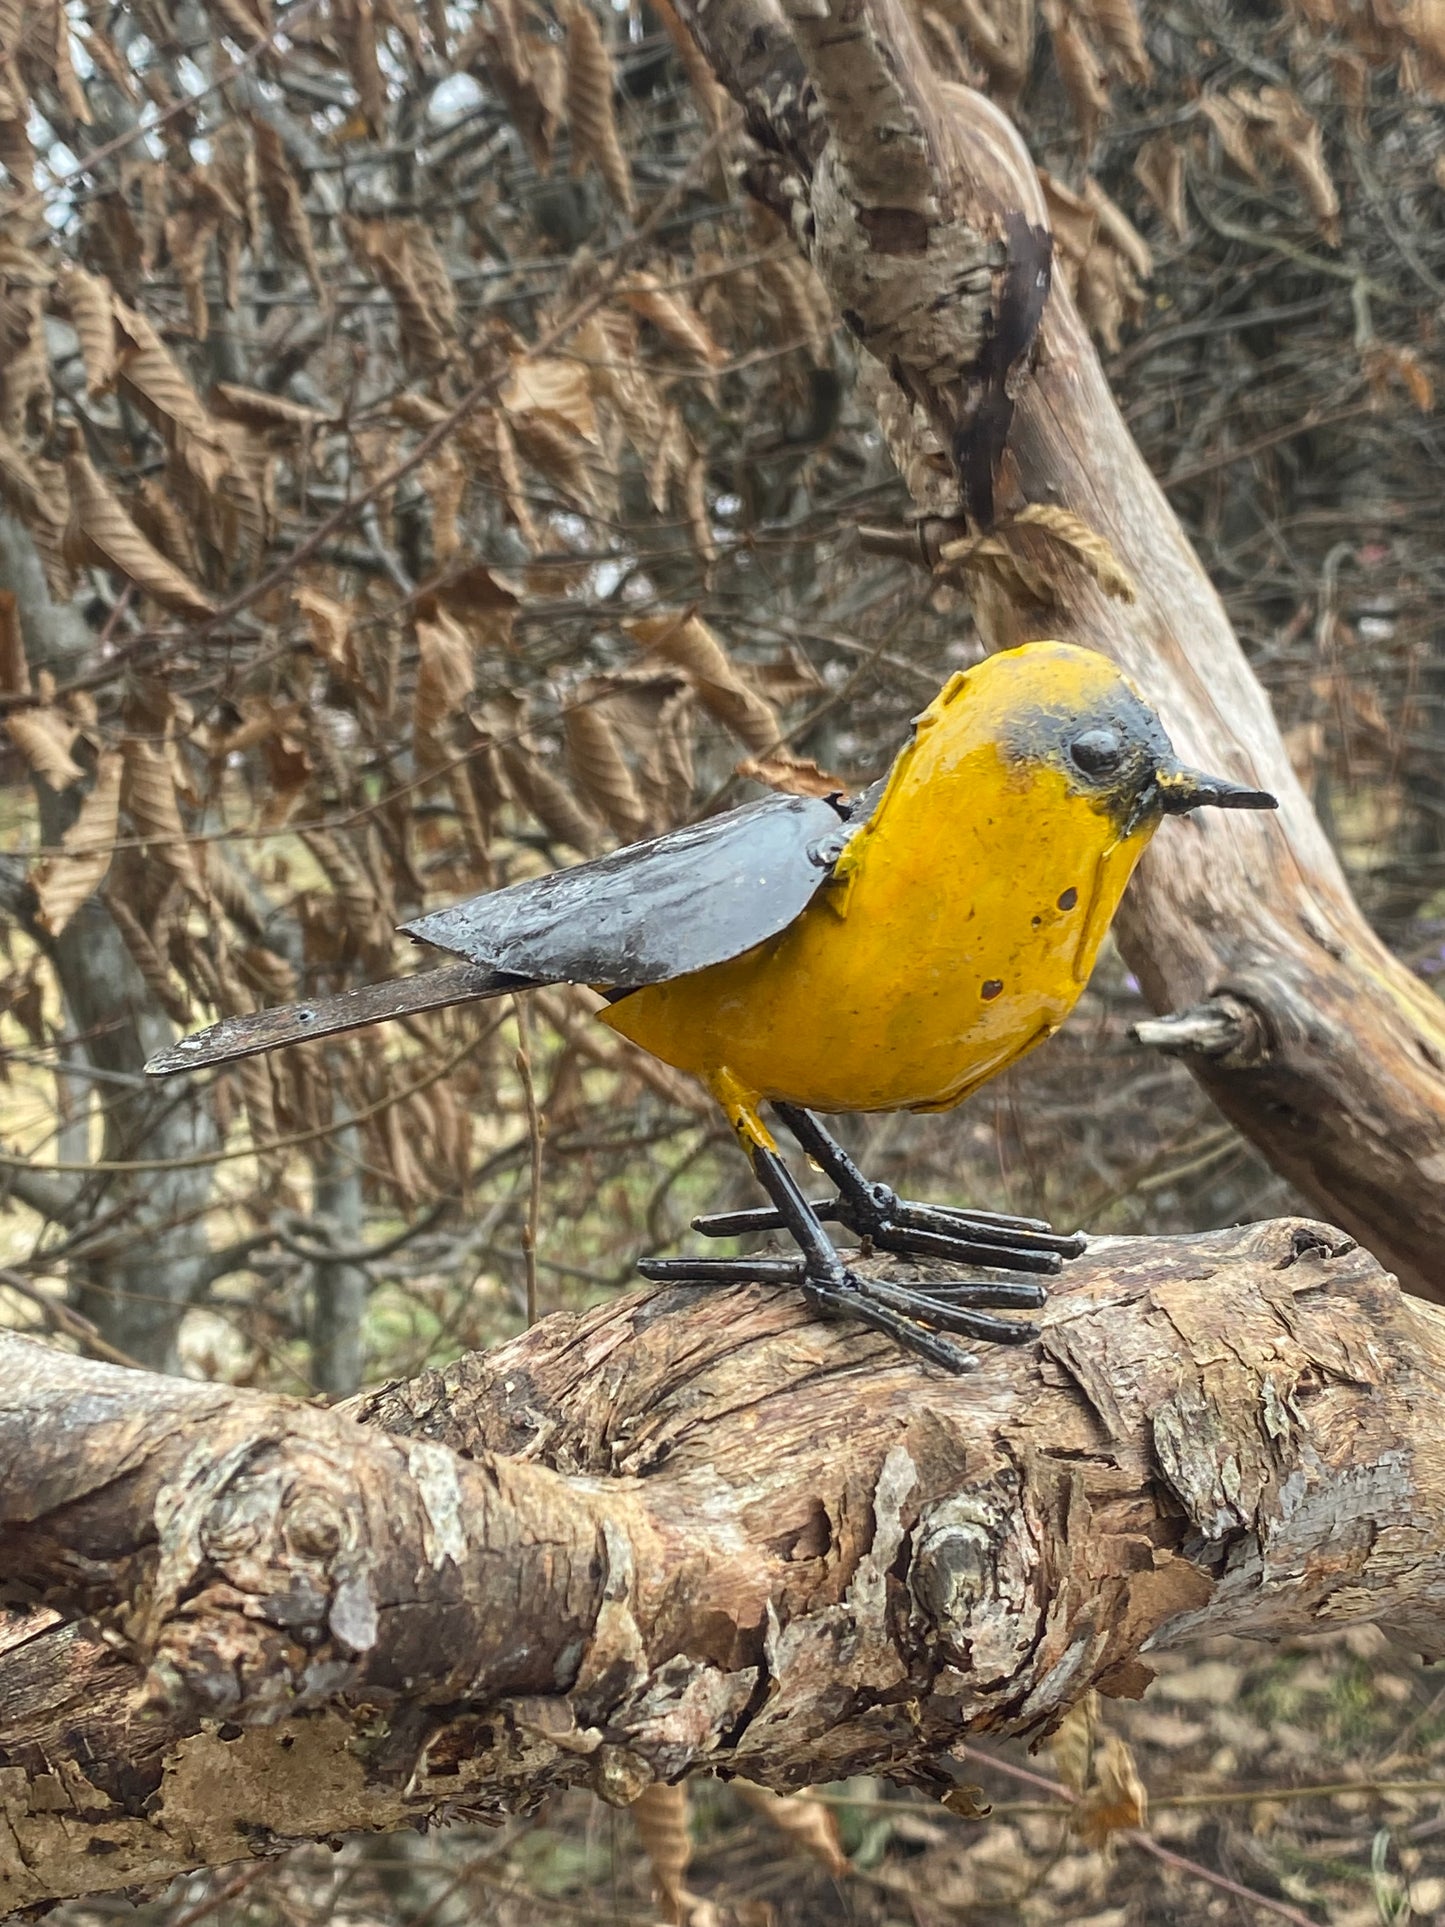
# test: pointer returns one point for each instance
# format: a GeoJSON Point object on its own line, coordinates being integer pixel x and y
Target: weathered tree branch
{"type": "Point", "coordinates": [901, 186]}
{"type": "Point", "coordinates": [685, 1530]}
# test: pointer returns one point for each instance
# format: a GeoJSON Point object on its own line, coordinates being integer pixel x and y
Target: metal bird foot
{"type": "Point", "coordinates": [886, 1222]}
{"type": "Point", "coordinates": [916, 1317]}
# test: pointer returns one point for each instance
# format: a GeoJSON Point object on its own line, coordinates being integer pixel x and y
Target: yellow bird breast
{"type": "Point", "coordinates": [958, 931]}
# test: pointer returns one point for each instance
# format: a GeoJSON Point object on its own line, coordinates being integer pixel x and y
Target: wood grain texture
{"type": "Point", "coordinates": [1338, 1071]}
{"type": "Point", "coordinates": [685, 1530]}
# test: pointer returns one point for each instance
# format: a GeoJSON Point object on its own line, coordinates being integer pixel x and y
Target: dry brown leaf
{"type": "Point", "coordinates": [551, 802]}
{"type": "Point", "coordinates": [44, 738]}
{"type": "Point", "coordinates": [1159, 170]}
{"type": "Point", "coordinates": [712, 97]}
{"type": "Point", "coordinates": [101, 533]}
{"type": "Point", "coordinates": [92, 314]}
{"type": "Point", "coordinates": [1233, 128]}
{"type": "Point", "coordinates": [597, 765]}
{"type": "Point", "coordinates": [159, 519]}
{"type": "Point", "coordinates": [660, 1814]}
{"type": "Point", "coordinates": [1386, 363]}
{"type": "Point", "coordinates": [510, 470]}
{"type": "Point", "coordinates": [791, 775]}
{"type": "Point", "coordinates": [329, 625]}
{"type": "Point", "coordinates": [685, 640]}
{"type": "Point", "coordinates": [148, 960]}
{"type": "Point", "coordinates": [63, 882]}
{"type": "Point", "coordinates": [1296, 137]}
{"type": "Point", "coordinates": [1084, 544]}
{"type": "Point", "coordinates": [1116, 1800]}
{"type": "Point", "coordinates": [1000, 33]}
{"type": "Point", "coordinates": [404, 257]}
{"type": "Point", "coordinates": [527, 72]}
{"type": "Point", "coordinates": [285, 203]}
{"type": "Point", "coordinates": [1073, 222]}
{"type": "Point", "coordinates": [149, 797]}
{"type": "Point", "coordinates": [1119, 231]}
{"type": "Point", "coordinates": [699, 522]}
{"type": "Point", "coordinates": [26, 488]}
{"type": "Point", "coordinates": [590, 112]}
{"type": "Point", "coordinates": [805, 1822]}
{"type": "Point", "coordinates": [805, 311]}
{"type": "Point", "coordinates": [446, 676]}
{"type": "Point", "coordinates": [567, 462]}
{"type": "Point", "coordinates": [553, 388]}
{"type": "Point", "coordinates": [259, 408]}
{"type": "Point", "coordinates": [1118, 25]}
{"type": "Point", "coordinates": [670, 314]}
{"type": "Point", "coordinates": [1081, 72]}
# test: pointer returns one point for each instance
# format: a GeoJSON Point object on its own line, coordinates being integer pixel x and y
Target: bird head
{"type": "Point", "coordinates": [1071, 709]}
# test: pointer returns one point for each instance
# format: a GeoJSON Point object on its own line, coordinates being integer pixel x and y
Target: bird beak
{"type": "Point", "coordinates": [1180, 789]}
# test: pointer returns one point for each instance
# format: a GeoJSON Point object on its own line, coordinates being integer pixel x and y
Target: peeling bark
{"type": "Point", "coordinates": [685, 1530]}
{"type": "Point", "coordinates": [902, 187]}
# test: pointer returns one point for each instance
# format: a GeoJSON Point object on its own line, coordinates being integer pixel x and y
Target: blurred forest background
{"type": "Point", "coordinates": [421, 464]}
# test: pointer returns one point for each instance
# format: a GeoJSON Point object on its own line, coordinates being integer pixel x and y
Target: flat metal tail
{"type": "Point", "coordinates": [265, 1030]}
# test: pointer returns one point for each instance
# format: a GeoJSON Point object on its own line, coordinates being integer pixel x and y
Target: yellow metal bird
{"type": "Point", "coordinates": [889, 953]}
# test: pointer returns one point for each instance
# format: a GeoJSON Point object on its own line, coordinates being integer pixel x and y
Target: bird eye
{"type": "Point", "coordinates": [1098, 752]}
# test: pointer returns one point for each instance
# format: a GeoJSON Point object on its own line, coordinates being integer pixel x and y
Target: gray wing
{"type": "Point", "coordinates": [655, 910]}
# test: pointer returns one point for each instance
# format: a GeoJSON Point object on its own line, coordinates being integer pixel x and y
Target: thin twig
{"type": "Point", "coordinates": [532, 1230]}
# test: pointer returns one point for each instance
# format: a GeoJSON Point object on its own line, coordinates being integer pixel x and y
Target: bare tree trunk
{"type": "Point", "coordinates": [140, 1254]}
{"type": "Point", "coordinates": [1317, 1043]}
{"type": "Point", "coordinates": [685, 1530]}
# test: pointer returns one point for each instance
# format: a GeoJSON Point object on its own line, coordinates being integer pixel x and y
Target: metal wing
{"type": "Point", "coordinates": [655, 910]}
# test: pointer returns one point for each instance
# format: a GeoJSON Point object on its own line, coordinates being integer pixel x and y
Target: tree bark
{"type": "Point", "coordinates": [685, 1530]}
{"type": "Point", "coordinates": [1323, 1048]}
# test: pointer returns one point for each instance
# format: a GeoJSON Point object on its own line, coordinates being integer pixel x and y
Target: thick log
{"type": "Point", "coordinates": [901, 187]}
{"type": "Point", "coordinates": [685, 1531]}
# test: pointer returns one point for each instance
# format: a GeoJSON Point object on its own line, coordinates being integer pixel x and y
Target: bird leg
{"type": "Point", "coordinates": [886, 1222]}
{"type": "Point", "coordinates": [915, 1318]}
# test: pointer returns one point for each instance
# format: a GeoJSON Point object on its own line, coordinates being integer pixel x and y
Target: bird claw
{"type": "Point", "coordinates": [916, 1317]}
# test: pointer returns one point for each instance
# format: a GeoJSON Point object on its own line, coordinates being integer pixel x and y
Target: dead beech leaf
{"type": "Point", "coordinates": [1159, 170]}
{"type": "Point", "coordinates": [27, 489]}
{"type": "Point", "coordinates": [149, 796]}
{"type": "Point", "coordinates": [1386, 363]}
{"type": "Point", "coordinates": [1120, 31]}
{"type": "Point", "coordinates": [686, 641]}
{"type": "Point", "coordinates": [1232, 126]}
{"type": "Point", "coordinates": [660, 1814]}
{"type": "Point", "coordinates": [803, 1821]}
{"type": "Point", "coordinates": [1119, 231]}
{"type": "Point", "coordinates": [404, 257]}
{"type": "Point", "coordinates": [670, 314]}
{"type": "Point", "coordinates": [101, 533]}
{"type": "Point", "coordinates": [92, 314]}
{"type": "Point", "coordinates": [556, 389]}
{"type": "Point", "coordinates": [1080, 70]}
{"type": "Point", "coordinates": [64, 881]}
{"type": "Point", "coordinates": [259, 408]}
{"type": "Point", "coordinates": [791, 775]}
{"type": "Point", "coordinates": [446, 675]}
{"type": "Point", "coordinates": [1296, 137]}
{"type": "Point", "coordinates": [1116, 1800]}
{"type": "Point", "coordinates": [285, 204]}
{"type": "Point", "coordinates": [1022, 566]}
{"type": "Point", "coordinates": [328, 623]}
{"type": "Point", "coordinates": [598, 767]}
{"type": "Point", "coordinates": [44, 738]}
{"type": "Point", "coordinates": [591, 87]}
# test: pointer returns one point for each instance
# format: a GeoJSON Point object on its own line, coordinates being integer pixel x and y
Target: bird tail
{"type": "Point", "coordinates": [265, 1030]}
